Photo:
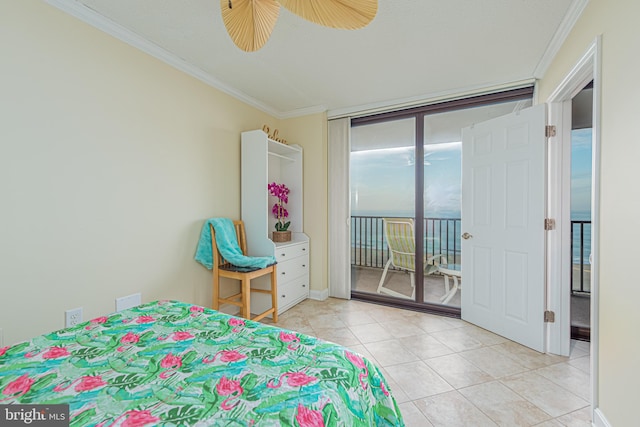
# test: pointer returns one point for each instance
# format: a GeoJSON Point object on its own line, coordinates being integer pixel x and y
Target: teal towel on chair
{"type": "Point", "coordinates": [227, 245]}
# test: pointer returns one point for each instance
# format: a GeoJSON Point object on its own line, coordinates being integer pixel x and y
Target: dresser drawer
{"type": "Point", "coordinates": [292, 268]}
{"type": "Point", "coordinates": [285, 253]}
{"type": "Point", "coordinates": [292, 292]}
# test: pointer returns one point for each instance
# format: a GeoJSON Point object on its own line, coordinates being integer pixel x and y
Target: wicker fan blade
{"type": "Point", "coordinates": [345, 14]}
{"type": "Point", "coordinates": [249, 22]}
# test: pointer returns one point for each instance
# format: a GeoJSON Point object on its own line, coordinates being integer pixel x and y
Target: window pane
{"type": "Point", "coordinates": [382, 173]}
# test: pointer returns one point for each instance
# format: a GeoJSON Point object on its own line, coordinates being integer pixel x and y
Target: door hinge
{"type": "Point", "coordinates": [549, 316]}
{"type": "Point", "coordinates": [549, 224]}
{"type": "Point", "coordinates": [549, 131]}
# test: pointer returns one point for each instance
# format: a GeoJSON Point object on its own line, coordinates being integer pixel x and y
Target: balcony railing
{"type": "Point", "coordinates": [442, 236]}
{"type": "Point", "coordinates": [369, 246]}
{"type": "Point", "coordinates": [580, 251]}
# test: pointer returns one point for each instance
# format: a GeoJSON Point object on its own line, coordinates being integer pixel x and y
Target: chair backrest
{"type": "Point", "coordinates": [218, 260]}
{"type": "Point", "coordinates": [399, 234]}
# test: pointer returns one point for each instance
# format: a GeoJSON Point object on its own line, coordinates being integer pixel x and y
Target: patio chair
{"type": "Point", "coordinates": [399, 234]}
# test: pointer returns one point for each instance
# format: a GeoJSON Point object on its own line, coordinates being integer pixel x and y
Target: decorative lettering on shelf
{"type": "Point", "coordinates": [274, 135]}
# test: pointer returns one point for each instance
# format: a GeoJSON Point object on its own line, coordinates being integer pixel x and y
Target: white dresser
{"type": "Point", "coordinates": [293, 272]}
{"type": "Point", "coordinates": [265, 161]}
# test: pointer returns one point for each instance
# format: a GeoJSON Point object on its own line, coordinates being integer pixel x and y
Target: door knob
{"type": "Point", "coordinates": [466, 236]}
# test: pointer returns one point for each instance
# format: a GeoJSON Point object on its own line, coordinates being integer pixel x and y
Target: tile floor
{"type": "Point", "coordinates": [447, 372]}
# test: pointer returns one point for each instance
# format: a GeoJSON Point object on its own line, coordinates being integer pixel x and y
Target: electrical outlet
{"type": "Point", "coordinates": [129, 301]}
{"type": "Point", "coordinates": [73, 317]}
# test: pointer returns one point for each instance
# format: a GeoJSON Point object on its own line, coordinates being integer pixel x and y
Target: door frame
{"type": "Point", "coordinates": [588, 68]}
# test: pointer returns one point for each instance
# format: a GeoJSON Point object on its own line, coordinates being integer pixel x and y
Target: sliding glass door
{"type": "Point", "coordinates": [406, 166]}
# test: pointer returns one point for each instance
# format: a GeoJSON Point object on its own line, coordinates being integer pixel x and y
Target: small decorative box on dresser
{"type": "Point", "coordinates": [265, 161]}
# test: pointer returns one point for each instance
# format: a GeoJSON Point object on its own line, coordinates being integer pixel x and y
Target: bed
{"type": "Point", "coordinates": [173, 363]}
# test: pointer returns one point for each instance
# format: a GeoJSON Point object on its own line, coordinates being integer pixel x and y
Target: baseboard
{"type": "Point", "coordinates": [599, 420]}
{"type": "Point", "coordinates": [319, 295]}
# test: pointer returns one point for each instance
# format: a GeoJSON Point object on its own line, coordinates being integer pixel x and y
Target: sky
{"type": "Point", "coordinates": [581, 173]}
{"type": "Point", "coordinates": [382, 181]}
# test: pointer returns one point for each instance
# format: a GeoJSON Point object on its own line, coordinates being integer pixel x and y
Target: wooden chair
{"type": "Point", "coordinates": [221, 268]}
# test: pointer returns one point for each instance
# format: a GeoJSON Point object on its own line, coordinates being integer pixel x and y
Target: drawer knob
{"type": "Point", "coordinates": [304, 286]}
{"type": "Point", "coordinates": [304, 249]}
{"type": "Point", "coordinates": [284, 296]}
{"type": "Point", "coordinates": [304, 265]}
{"type": "Point", "coordinates": [283, 273]}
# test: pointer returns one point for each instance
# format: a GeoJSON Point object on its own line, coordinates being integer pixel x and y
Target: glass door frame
{"type": "Point", "coordinates": [419, 113]}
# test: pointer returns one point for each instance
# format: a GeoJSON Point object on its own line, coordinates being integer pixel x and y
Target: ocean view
{"type": "Point", "coordinates": [383, 182]}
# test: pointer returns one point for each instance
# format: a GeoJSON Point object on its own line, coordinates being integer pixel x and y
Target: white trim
{"type": "Point", "coordinates": [558, 257]}
{"type": "Point", "coordinates": [415, 101]}
{"type": "Point", "coordinates": [595, 215]}
{"type": "Point", "coordinates": [587, 68]}
{"type": "Point", "coordinates": [599, 420]}
{"type": "Point", "coordinates": [91, 17]}
{"type": "Point", "coordinates": [570, 18]}
{"type": "Point", "coordinates": [319, 295]}
{"type": "Point", "coordinates": [581, 74]}
{"type": "Point", "coordinates": [300, 112]}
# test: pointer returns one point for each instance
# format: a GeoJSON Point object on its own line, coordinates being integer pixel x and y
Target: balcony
{"type": "Point", "coordinates": [369, 254]}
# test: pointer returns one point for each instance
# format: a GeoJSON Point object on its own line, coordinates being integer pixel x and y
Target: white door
{"type": "Point", "coordinates": [503, 207]}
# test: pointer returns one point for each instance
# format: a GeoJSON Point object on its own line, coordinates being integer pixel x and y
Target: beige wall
{"type": "Point", "coordinates": [311, 133]}
{"type": "Point", "coordinates": [109, 162]}
{"type": "Point", "coordinates": [619, 346]}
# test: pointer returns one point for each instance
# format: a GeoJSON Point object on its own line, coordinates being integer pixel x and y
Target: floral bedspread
{"type": "Point", "coordinates": [171, 363]}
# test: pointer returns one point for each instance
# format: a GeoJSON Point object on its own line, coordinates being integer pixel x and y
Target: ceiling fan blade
{"type": "Point", "coordinates": [249, 22]}
{"type": "Point", "coordinates": [345, 14]}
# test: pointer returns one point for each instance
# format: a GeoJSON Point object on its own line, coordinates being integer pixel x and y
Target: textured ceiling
{"type": "Point", "coordinates": [413, 50]}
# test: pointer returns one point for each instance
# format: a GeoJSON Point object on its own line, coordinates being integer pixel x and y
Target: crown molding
{"type": "Point", "coordinates": [104, 24]}
{"type": "Point", "coordinates": [303, 112]}
{"type": "Point", "coordinates": [570, 18]}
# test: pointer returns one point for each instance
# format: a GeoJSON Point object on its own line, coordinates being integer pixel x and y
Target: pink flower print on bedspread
{"type": "Point", "coordinates": [177, 336]}
{"type": "Point", "coordinates": [139, 418]}
{"type": "Point", "coordinates": [17, 387]}
{"type": "Point", "coordinates": [358, 362]}
{"type": "Point", "coordinates": [294, 379]}
{"type": "Point", "coordinates": [128, 340]}
{"type": "Point", "coordinates": [85, 383]}
{"type": "Point", "coordinates": [226, 356]}
{"type": "Point", "coordinates": [89, 382]}
{"type": "Point", "coordinates": [171, 363]}
{"type": "Point", "coordinates": [196, 310]}
{"type": "Point", "coordinates": [95, 322]}
{"type": "Point", "coordinates": [290, 338]}
{"type": "Point", "coordinates": [308, 417]}
{"type": "Point", "coordinates": [236, 322]}
{"type": "Point", "coordinates": [51, 353]}
{"type": "Point", "coordinates": [145, 319]}
{"type": "Point", "coordinates": [231, 388]}
{"type": "Point", "coordinates": [140, 319]}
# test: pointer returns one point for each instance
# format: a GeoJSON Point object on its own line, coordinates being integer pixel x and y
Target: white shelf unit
{"type": "Point", "coordinates": [265, 161]}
